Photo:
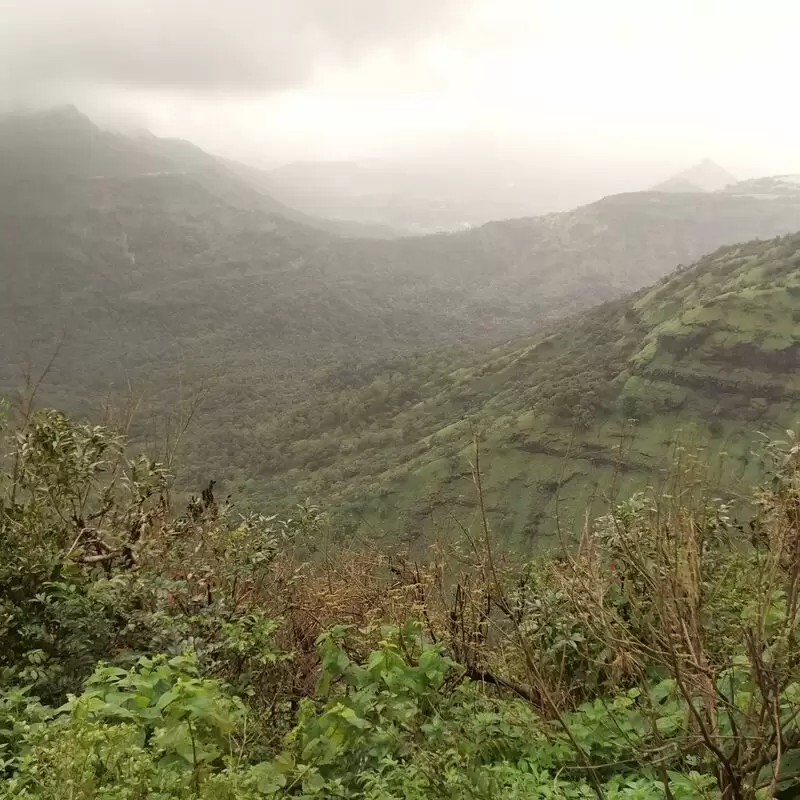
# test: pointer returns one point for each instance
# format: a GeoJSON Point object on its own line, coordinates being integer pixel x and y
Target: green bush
{"type": "Point", "coordinates": [655, 658]}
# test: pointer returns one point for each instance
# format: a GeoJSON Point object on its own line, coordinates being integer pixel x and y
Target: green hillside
{"type": "Point", "coordinates": [154, 268]}
{"type": "Point", "coordinates": [705, 359]}
{"type": "Point", "coordinates": [150, 650]}
{"type": "Point", "coordinates": [421, 639]}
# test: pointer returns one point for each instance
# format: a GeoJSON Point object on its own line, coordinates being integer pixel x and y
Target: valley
{"type": "Point", "coordinates": [699, 367]}
{"type": "Point", "coordinates": [399, 400]}
{"type": "Point", "coordinates": [353, 371]}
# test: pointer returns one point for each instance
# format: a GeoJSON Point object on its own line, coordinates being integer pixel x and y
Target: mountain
{"type": "Point", "coordinates": [434, 196]}
{"type": "Point", "coordinates": [705, 176]}
{"type": "Point", "coordinates": [348, 190]}
{"type": "Point", "coordinates": [159, 267]}
{"type": "Point", "coordinates": [702, 361]}
{"type": "Point", "coordinates": [677, 185]}
{"type": "Point", "coordinates": [62, 145]}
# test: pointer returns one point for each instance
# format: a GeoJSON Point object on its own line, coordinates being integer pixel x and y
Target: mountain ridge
{"type": "Point", "coordinates": [702, 360]}
{"type": "Point", "coordinates": [63, 144]}
{"type": "Point", "coordinates": [178, 281]}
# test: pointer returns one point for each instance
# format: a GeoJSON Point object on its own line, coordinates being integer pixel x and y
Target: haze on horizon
{"type": "Point", "coordinates": [609, 96]}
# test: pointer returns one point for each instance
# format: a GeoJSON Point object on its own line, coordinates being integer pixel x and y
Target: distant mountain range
{"type": "Point", "coordinates": [706, 176]}
{"type": "Point", "coordinates": [161, 266]}
{"type": "Point", "coordinates": [417, 200]}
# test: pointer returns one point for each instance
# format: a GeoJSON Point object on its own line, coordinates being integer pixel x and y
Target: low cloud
{"type": "Point", "coordinates": [211, 45]}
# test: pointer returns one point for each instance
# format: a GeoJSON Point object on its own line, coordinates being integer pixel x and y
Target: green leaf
{"type": "Point", "coordinates": [268, 779]}
{"type": "Point", "coordinates": [313, 782]}
{"type": "Point", "coordinates": [353, 719]}
{"type": "Point", "coordinates": [166, 699]}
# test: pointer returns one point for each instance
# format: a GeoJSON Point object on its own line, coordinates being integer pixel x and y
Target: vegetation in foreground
{"type": "Point", "coordinates": [150, 653]}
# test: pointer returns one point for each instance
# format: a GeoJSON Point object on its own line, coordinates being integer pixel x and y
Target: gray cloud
{"type": "Point", "coordinates": [578, 86]}
{"type": "Point", "coordinates": [200, 45]}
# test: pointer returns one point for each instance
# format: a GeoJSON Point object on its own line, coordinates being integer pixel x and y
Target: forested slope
{"type": "Point", "coordinates": [154, 268]}
{"type": "Point", "coordinates": [706, 358]}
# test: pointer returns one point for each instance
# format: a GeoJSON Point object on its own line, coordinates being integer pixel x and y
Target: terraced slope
{"type": "Point", "coordinates": [708, 358]}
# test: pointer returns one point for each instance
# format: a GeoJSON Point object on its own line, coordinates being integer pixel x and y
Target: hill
{"type": "Point", "coordinates": [705, 358]}
{"type": "Point", "coordinates": [62, 145]}
{"type": "Point", "coordinates": [772, 187]}
{"type": "Point", "coordinates": [161, 269]}
{"type": "Point", "coordinates": [705, 176]}
{"type": "Point", "coordinates": [264, 182]}
{"type": "Point", "coordinates": [676, 184]}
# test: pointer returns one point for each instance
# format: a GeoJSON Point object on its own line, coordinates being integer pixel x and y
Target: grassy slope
{"type": "Point", "coordinates": [707, 357]}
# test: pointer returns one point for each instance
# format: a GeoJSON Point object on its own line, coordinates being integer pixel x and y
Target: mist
{"type": "Point", "coordinates": [566, 101]}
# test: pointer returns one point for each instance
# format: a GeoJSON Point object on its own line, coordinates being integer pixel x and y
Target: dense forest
{"type": "Point", "coordinates": [155, 276]}
{"type": "Point", "coordinates": [596, 403]}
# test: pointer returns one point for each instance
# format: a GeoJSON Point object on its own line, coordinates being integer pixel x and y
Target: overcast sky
{"type": "Point", "coordinates": [626, 83]}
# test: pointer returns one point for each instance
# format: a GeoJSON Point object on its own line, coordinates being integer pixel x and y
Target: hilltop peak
{"type": "Point", "coordinates": [65, 111]}
{"type": "Point", "coordinates": [705, 176]}
{"type": "Point", "coordinates": [58, 117]}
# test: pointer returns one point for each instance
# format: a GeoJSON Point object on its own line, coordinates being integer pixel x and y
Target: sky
{"type": "Point", "coordinates": [618, 88]}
